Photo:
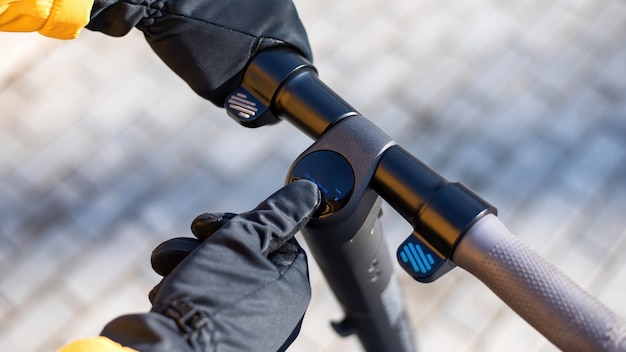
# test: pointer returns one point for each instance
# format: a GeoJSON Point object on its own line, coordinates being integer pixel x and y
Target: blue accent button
{"type": "Point", "coordinates": [421, 261]}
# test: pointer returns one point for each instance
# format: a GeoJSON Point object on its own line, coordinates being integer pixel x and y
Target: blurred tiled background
{"type": "Point", "coordinates": [104, 153]}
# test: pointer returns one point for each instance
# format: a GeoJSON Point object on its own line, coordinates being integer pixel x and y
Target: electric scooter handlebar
{"type": "Point", "coordinates": [452, 225]}
{"type": "Point", "coordinates": [538, 292]}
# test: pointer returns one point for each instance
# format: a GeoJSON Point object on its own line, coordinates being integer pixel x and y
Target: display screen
{"type": "Point", "coordinates": [333, 175]}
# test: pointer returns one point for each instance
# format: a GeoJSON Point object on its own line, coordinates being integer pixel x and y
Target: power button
{"type": "Point", "coordinates": [333, 175]}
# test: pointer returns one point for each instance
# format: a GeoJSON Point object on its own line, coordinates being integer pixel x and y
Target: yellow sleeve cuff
{"type": "Point", "coordinates": [62, 19]}
{"type": "Point", "coordinates": [67, 18]}
{"type": "Point", "coordinates": [95, 344]}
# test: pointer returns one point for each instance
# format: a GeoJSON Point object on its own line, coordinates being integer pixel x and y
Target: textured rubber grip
{"type": "Point", "coordinates": [537, 291]}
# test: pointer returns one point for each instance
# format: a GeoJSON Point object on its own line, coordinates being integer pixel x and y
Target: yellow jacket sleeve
{"type": "Point", "coordinates": [62, 19]}
{"type": "Point", "coordinates": [95, 344]}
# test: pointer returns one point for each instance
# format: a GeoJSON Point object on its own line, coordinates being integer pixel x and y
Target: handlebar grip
{"type": "Point", "coordinates": [548, 300]}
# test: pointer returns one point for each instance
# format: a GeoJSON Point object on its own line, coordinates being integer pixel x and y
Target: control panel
{"type": "Point", "coordinates": [333, 175]}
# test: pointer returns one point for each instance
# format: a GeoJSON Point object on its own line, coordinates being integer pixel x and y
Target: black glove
{"type": "Point", "coordinates": [206, 42]}
{"type": "Point", "coordinates": [242, 286]}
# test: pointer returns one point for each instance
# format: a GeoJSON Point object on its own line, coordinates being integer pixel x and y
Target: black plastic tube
{"type": "Point", "coordinates": [288, 83]}
{"type": "Point", "coordinates": [439, 210]}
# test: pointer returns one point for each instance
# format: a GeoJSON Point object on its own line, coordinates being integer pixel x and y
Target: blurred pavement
{"type": "Point", "coordinates": [104, 153]}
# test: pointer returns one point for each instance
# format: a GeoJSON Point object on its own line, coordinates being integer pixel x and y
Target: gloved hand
{"type": "Point", "coordinates": [243, 285]}
{"type": "Point", "coordinates": [206, 42]}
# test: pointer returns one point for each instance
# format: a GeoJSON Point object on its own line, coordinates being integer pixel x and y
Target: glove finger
{"type": "Point", "coordinates": [167, 255]}
{"type": "Point", "coordinates": [204, 225]}
{"type": "Point", "coordinates": [155, 290]}
{"type": "Point", "coordinates": [278, 218]}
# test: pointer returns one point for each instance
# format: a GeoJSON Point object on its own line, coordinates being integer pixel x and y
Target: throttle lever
{"type": "Point", "coordinates": [245, 108]}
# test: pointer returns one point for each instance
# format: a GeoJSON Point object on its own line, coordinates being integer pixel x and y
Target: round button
{"type": "Point", "coordinates": [333, 175]}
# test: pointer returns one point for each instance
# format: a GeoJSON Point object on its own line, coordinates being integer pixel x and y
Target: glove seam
{"type": "Point", "coordinates": [259, 288]}
{"type": "Point", "coordinates": [155, 10]}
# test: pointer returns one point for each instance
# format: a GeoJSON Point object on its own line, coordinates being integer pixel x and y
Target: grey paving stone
{"type": "Point", "coordinates": [49, 311]}
{"type": "Point", "coordinates": [37, 267]}
{"type": "Point", "coordinates": [101, 262]}
{"type": "Point", "coordinates": [512, 333]}
{"type": "Point", "coordinates": [594, 161]}
{"type": "Point", "coordinates": [71, 145]}
{"type": "Point", "coordinates": [107, 207]}
{"type": "Point", "coordinates": [612, 281]}
{"type": "Point", "coordinates": [170, 210]}
{"type": "Point", "coordinates": [126, 295]}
